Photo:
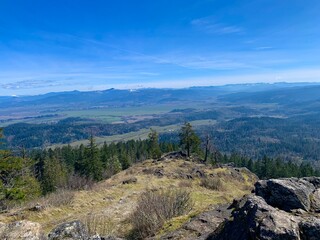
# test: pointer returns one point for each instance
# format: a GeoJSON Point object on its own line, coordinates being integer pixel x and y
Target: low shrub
{"type": "Point", "coordinates": [77, 182]}
{"type": "Point", "coordinates": [99, 224]}
{"type": "Point", "coordinates": [185, 184]}
{"type": "Point", "coordinates": [155, 207]}
{"type": "Point", "coordinates": [212, 183]}
{"type": "Point", "coordinates": [59, 198]}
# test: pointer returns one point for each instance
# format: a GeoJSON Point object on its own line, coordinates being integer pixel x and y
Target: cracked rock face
{"type": "Point", "coordinates": [286, 194]}
{"type": "Point", "coordinates": [255, 219]}
{"type": "Point", "coordinates": [280, 209]}
{"type": "Point", "coordinates": [200, 226]}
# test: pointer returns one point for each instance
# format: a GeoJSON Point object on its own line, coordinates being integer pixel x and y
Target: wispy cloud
{"type": "Point", "coordinates": [30, 84]}
{"type": "Point", "coordinates": [149, 73]}
{"type": "Point", "coordinates": [263, 48]}
{"type": "Point", "coordinates": [209, 25]}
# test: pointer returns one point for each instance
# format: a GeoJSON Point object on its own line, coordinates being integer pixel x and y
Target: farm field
{"type": "Point", "coordinates": [141, 134]}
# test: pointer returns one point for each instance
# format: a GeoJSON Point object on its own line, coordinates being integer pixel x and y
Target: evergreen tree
{"type": "Point", "coordinates": [16, 180]}
{"type": "Point", "coordinates": [55, 175]}
{"type": "Point", "coordinates": [113, 166]}
{"type": "Point", "coordinates": [68, 156]}
{"type": "Point", "coordinates": [154, 147]}
{"type": "Point", "coordinates": [125, 161]}
{"type": "Point", "coordinates": [80, 164]}
{"type": "Point", "coordinates": [39, 158]}
{"type": "Point", "coordinates": [189, 141]}
{"type": "Point", "coordinates": [92, 166]}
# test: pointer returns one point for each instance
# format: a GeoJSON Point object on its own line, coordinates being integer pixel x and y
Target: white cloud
{"type": "Point", "coordinates": [209, 25]}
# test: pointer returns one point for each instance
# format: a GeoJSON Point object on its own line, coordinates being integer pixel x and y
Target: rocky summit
{"type": "Point", "coordinates": [106, 208]}
{"type": "Point", "coordinates": [277, 209]}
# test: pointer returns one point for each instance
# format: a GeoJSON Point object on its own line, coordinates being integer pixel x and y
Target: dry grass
{"type": "Point", "coordinates": [60, 198]}
{"type": "Point", "coordinates": [99, 224]}
{"type": "Point", "coordinates": [77, 182]}
{"type": "Point", "coordinates": [56, 199]}
{"type": "Point", "coordinates": [155, 207]}
{"type": "Point", "coordinates": [185, 184]}
{"type": "Point", "coordinates": [117, 201]}
{"type": "Point", "coordinates": [212, 183]}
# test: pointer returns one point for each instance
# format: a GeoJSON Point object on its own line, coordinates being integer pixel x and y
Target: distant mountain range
{"type": "Point", "coordinates": [279, 119]}
{"type": "Point", "coordinates": [281, 93]}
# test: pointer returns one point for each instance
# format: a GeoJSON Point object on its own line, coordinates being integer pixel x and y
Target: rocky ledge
{"type": "Point", "coordinates": [278, 209]}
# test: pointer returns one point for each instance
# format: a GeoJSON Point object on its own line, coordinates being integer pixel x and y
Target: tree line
{"type": "Point", "coordinates": [31, 174]}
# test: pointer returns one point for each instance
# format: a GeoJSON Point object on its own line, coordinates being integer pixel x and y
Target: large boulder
{"type": "Point", "coordinates": [315, 200]}
{"type": "Point", "coordinates": [21, 230]}
{"type": "Point", "coordinates": [310, 229]}
{"type": "Point", "coordinates": [286, 194]}
{"type": "Point", "coordinates": [278, 209]}
{"type": "Point", "coordinates": [255, 219]}
{"type": "Point", "coordinates": [74, 230]}
{"type": "Point", "coordinates": [315, 181]}
{"type": "Point", "coordinates": [200, 226]}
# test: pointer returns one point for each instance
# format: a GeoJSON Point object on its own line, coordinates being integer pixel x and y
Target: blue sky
{"type": "Point", "coordinates": [60, 45]}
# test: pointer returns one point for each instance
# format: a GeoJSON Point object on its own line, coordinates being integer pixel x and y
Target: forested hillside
{"type": "Point", "coordinates": [31, 173]}
{"type": "Point", "coordinates": [278, 120]}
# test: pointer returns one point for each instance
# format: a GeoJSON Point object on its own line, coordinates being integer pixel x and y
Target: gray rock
{"type": "Point", "coordinates": [255, 219]}
{"type": "Point", "coordinates": [130, 180]}
{"type": "Point", "coordinates": [310, 229]}
{"type": "Point", "coordinates": [37, 208]}
{"type": "Point", "coordinates": [95, 237]}
{"type": "Point", "coordinates": [198, 173]}
{"type": "Point", "coordinates": [315, 181]}
{"type": "Point", "coordinates": [200, 226]}
{"type": "Point", "coordinates": [21, 230]}
{"type": "Point", "coordinates": [286, 194]}
{"type": "Point", "coordinates": [315, 200]}
{"type": "Point", "coordinates": [75, 230]}
{"type": "Point", "coordinates": [174, 155]}
{"type": "Point", "coordinates": [279, 209]}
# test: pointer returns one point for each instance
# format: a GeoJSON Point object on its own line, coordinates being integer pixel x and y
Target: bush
{"type": "Point", "coordinates": [185, 184]}
{"type": "Point", "coordinates": [56, 199]}
{"type": "Point", "coordinates": [77, 182]}
{"type": "Point", "coordinates": [155, 207]}
{"type": "Point", "coordinates": [99, 224]}
{"type": "Point", "coordinates": [212, 184]}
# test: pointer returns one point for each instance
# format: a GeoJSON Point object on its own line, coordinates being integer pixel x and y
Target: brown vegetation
{"type": "Point", "coordinates": [114, 202]}
{"type": "Point", "coordinates": [155, 207]}
{"type": "Point", "coordinates": [99, 224]}
{"type": "Point", "coordinates": [212, 183]}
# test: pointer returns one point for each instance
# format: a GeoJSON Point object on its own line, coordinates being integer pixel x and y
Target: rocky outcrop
{"type": "Point", "coordinates": [75, 230]}
{"type": "Point", "coordinates": [173, 155]}
{"type": "Point", "coordinates": [253, 218]}
{"type": "Point", "coordinates": [69, 231]}
{"type": "Point", "coordinates": [310, 229]}
{"type": "Point", "coordinates": [21, 230]}
{"type": "Point", "coordinates": [26, 230]}
{"type": "Point", "coordinates": [200, 226]}
{"type": "Point", "coordinates": [286, 194]}
{"type": "Point", "coordinates": [279, 209]}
